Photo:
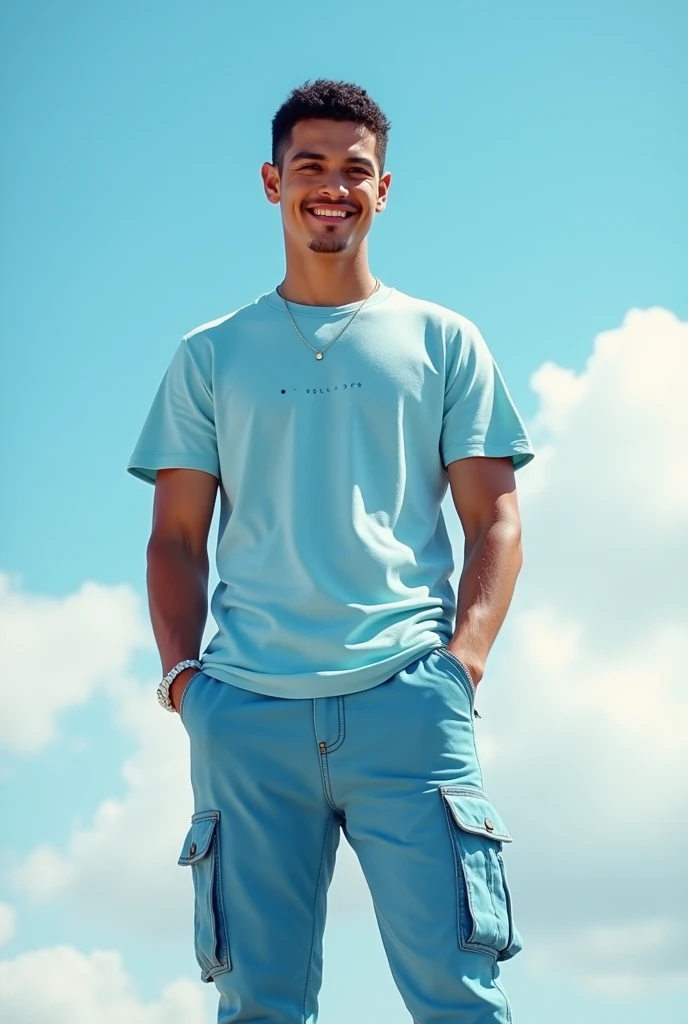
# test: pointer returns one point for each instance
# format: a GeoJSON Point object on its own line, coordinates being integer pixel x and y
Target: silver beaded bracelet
{"type": "Point", "coordinates": [163, 690]}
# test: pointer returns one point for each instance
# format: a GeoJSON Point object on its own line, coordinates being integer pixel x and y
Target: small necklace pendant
{"type": "Point", "coordinates": [318, 355]}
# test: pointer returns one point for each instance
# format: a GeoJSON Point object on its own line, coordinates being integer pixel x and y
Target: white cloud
{"type": "Point", "coordinates": [609, 957]}
{"type": "Point", "coordinates": [57, 651]}
{"type": "Point", "coordinates": [605, 512]}
{"type": "Point", "coordinates": [8, 919]}
{"type": "Point", "coordinates": [122, 867]}
{"type": "Point", "coordinates": [584, 701]}
{"type": "Point", "coordinates": [64, 986]}
{"type": "Point", "coordinates": [588, 751]}
{"type": "Point", "coordinates": [585, 709]}
{"type": "Point", "coordinates": [44, 873]}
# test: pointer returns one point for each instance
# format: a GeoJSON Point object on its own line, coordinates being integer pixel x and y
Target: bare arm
{"type": "Point", "coordinates": [484, 493]}
{"type": "Point", "coordinates": [177, 558]}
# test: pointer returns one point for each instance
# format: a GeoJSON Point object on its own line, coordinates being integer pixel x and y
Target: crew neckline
{"type": "Point", "coordinates": [275, 300]}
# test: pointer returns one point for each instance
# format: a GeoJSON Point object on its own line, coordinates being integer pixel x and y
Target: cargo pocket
{"type": "Point", "coordinates": [202, 852]}
{"type": "Point", "coordinates": [485, 918]}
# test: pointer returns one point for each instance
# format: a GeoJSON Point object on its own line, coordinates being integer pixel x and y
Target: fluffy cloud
{"type": "Point", "coordinates": [585, 706]}
{"type": "Point", "coordinates": [605, 510]}
{"type": "Point", "coordinates": [64, 986]}
{"type": "Point", "coordinates": [583, 702]}
{"type": "Point", "coordinates": [122, 866]}
{"type": "Point", "coordinates": [595, 764]}
{"type": "Point", "coordinates": [7, 923]}
{"type": "Point", "coordinates": [57, 651]}
{"type": "Point", "coordinates": [607, 956]}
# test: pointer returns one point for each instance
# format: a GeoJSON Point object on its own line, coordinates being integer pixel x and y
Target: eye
{"type": "Point", "coordinates": [309, 167]}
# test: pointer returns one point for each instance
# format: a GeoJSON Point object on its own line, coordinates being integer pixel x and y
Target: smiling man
{"type": "Point", "coordinates": [338, 693]}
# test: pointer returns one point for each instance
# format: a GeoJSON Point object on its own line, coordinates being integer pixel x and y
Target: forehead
{"type": "Point", "coordinates": [332, 138]}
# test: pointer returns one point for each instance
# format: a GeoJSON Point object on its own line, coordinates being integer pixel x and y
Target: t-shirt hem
{"type": "Point", "coordinates": [145, 467]}
{"type": "Point", "coordinates": [521, 453]}
{"type": "Point", "coordinates": [321, 684]}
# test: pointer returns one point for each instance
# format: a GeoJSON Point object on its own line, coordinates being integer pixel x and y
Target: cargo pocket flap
{"type": "Point", "coordinates": [473, 812]}
{"type": "Point", "coordinates": [199, 838]}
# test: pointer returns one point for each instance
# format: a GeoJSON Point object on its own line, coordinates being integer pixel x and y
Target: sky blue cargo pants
{"type": "Point", "coordinates": [394, 768]}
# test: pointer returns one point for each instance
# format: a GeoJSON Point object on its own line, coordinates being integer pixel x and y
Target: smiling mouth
{"type": "Point", "coordinates": [329, 214]}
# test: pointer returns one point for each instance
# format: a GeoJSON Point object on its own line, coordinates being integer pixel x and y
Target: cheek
{"type": "Point", "coordinates": [293, 205]}
{"type": "Point", "coordinates": [367, 199]}
{"type": "Point", "coordinates": [290, 209]}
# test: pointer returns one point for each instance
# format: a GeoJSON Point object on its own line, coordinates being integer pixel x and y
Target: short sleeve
{"type": "Point", "coordinates": [480, 417]}
{"type": "Point", "coordinates": [179, 432]}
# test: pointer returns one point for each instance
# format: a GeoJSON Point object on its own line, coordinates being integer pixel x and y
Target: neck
{"type": "Point", "coordinates": [326, 279]}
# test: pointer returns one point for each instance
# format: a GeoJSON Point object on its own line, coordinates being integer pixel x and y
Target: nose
{"type": "Point", "coordinates": [333, 189]}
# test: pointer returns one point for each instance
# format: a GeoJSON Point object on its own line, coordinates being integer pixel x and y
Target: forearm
{"type": "Point", "coordinates": [177, 581]}
{"type": "Point", "coordinates": [486, 587]}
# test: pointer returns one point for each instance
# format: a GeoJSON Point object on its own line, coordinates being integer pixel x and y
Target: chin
{"type": "Point", "coordinates": [328, 245]}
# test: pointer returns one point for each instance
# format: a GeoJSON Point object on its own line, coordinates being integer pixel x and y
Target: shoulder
{"type": "Point", "coordinates": [457, 336]}
{"type": "Point", "coordinates": [202, 343]}
{"type": "Point", "coordinates": [449, 321]}
{"type": "Point", "coordinates": [225, 326]}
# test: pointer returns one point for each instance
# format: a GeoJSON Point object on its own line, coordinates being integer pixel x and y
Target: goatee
{"type": "Point", "coordinates": [326, 245]}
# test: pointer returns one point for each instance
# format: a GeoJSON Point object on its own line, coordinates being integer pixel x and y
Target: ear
{"type": "Point", "coordinates": [271, 182]}
{"type": "Point", "coordinates": [382, 190]}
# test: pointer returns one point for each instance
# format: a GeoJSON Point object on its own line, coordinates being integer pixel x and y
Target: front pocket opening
{"type": "Point", "coordinates": [185, 692]}
{"type": "Point", "coordinates": [201, 851]}
{"type": "Point", "coordinates": [465, 675]}
{"type": "Point", "coordinates": [485, 919]}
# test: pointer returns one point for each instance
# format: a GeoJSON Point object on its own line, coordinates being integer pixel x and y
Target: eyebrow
{"type": "Point", "coordinates": [305, 154]}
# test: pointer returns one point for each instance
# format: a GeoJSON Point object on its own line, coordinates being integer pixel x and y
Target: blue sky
{"type": "Point", "coordinates": [538, 155]}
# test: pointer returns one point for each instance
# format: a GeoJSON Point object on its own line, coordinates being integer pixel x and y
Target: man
{"type": "Point", "coordinates": [338, 692]}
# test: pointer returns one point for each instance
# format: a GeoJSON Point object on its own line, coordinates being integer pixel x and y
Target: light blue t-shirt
{"type": "Point", "coordinates": [333, 555]}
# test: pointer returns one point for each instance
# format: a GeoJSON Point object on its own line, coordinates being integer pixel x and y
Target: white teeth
{"type": "Point", "coordinates": [320, 212]}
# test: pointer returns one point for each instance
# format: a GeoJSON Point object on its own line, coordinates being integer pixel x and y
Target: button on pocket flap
{"type": "Point", "coordinates": [199, 837]}
{"type": "Point", "coordinates": [473, 812]}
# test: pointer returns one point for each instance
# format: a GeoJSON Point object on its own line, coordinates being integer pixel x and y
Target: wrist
{"type": "Point", "coordinates": [187, 667]}
{"type": "Point", "coordinates": [475, 665]}
{"type": "Point", "coordinates": [178, 686]}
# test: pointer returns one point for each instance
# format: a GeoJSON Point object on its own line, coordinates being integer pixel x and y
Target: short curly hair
{"type": "Point", "coordinates": [332, 101]}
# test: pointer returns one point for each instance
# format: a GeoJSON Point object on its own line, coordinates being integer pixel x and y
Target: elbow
{"type": "Point", "coordinates": [163, 546]}
{"type": "Point", "coordinates": [505, 533]}
{"type": "Point", "coordinates": [159, 543]}
{"type": "Point", "coordinates": [515, 534]}
{"type": "Point", "coordinates": [519, 552]}
{"type": "Point", "coordinates": [167, 549]}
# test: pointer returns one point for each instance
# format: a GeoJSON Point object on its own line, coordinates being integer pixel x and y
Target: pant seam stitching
{"type": "Point", "coordinates": [325, 772]}
{"type": "Point", "coordinates": [341, 726]}
{"type": "Point", "coordinates": [497, 984]}
{"type": "Point", "coordinates": [318, 886]}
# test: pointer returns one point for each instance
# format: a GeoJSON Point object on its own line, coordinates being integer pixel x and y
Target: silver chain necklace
{"type": "Point", "coordinates": [319, 353]}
